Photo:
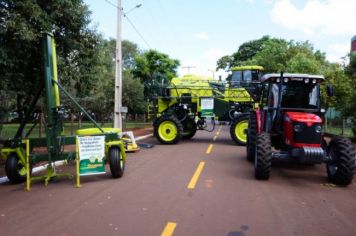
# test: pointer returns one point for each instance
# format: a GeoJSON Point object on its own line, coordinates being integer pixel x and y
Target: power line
{"type": "Point", "coordinates": [130, 22]}
{"type": "Point", "coordinates": [133, 26]}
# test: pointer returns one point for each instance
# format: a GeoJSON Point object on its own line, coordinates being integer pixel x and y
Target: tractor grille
{"type": "Point", "coordinates": [307, 135]}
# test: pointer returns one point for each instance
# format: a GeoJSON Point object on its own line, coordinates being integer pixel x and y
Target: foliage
{"type": "Point", "coordinates": [130, 50]}
{"type": "Point", "coordinates": [351, 72]}
{"type": "Point", "coordinates": [276, 55]}
{"type": "Point", "coordinates": [153, 67]}
{"type": "Point", "coordinates": [21, 27]}
{"type": "Point", "coordinates": [132, 94]}
{"type": "Point", "coordinates": [152, 63]}
{"type": "Point", "coordinates": [245, 52]}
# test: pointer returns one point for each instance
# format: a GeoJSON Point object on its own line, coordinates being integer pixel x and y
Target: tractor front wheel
{"type": "Point", "coordinates": [263, 156]}
{"type": "Point", "coordinates": [168, 130]}
{"type": "Point", "coordinates": [189, 128]}
{"type": "Point", "coordinates": [15, 170]}
{"type": "Point", "coordinates": [238, 130]}
{"type": "Point", "coordinates": [116, 162]}
{"type": "Point", "coordinates": [341, 168]}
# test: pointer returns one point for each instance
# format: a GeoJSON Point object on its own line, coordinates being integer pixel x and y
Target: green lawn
{"type": "Point", "coordinates": [338, 131]}
{"type": "Point", "coordinates": [9, 130]}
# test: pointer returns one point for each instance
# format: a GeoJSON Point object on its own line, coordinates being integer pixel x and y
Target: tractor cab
{"type": "Point", "coordinates": [292, 99]}
{"type": "Point", "coordinates": [247, 77]}
{"type": "Point", "coordinates": [288, 126]}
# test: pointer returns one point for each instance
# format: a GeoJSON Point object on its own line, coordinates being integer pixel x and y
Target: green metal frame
{"type": "Point", "coordinates": [54, 140]}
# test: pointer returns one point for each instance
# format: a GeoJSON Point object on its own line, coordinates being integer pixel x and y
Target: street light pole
{"type": "Point", "coordinates": [118, 72]}
{"type": "Point", "coordinates": [213, 73]}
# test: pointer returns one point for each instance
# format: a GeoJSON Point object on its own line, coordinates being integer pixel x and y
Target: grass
{"type": "Point", "coordinates": [9, 130]}
{"type": "Point", "coordinates": [338, 131]}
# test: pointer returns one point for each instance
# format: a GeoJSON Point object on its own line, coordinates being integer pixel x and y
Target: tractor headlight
{"type": "Point", "coordinates": [298, 128]}
{"type": "Point", "coordinates": [306, 80]}
{"type": "Point", "coordinates": [318, 128]}
{"type": "Point", "coordinates": [285, 80]}
{"type": "Point", "coordinates": [314, 81]}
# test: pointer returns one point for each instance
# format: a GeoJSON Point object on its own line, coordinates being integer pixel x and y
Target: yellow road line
{"type": "Point", "coordinates": [208, 150]}
{"type": "Point", "coordinates": [196, 175]}
{"type": "Point", "coordinates": [169, 229]}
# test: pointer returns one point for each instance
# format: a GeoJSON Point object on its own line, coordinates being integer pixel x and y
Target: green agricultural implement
{"type": "Point", "coordinates": [188, 103]}
{"type": "Point", "coordinates": [20, 153]}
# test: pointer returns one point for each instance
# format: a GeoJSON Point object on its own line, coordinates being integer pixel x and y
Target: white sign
{"type": "Point", "coordinates": [207, 103]}
{"type": "Point", "coordinates": [91, 154]}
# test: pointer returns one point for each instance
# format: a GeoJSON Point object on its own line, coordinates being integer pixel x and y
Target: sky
{"type": "Point", "coordinates": [199, 32]}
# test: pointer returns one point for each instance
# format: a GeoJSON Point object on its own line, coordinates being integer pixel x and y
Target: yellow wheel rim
{"type": "Point", "coordinates": [241, 131]}
{"type": "Point", "coordinates": [167, 131]}
{"type": "Point", "coordinates": [22, 171]}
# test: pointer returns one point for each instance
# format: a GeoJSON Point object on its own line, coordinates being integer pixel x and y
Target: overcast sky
{"type": "Point", "coordinates": [198, 32]}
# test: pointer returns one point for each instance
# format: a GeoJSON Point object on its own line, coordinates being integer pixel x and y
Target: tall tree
{"type": "Point", "coordinates": [21, 26]}
{"type": "Point", "coordinates": [154, 68]}
{"type": "Point", "coordinates": [245, 52]}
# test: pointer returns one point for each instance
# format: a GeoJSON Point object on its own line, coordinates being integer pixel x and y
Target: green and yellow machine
{"type": "Point", "coordinates": [185, 105]}
{"type": "Point", "coordinates": [19, 152]}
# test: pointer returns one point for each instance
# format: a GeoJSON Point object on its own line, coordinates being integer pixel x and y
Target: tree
{"type": "Point", "coordinates": [21, 27]}
{"type": "Point", "coordinates": [351, 72]}
{"type": "Point", "coordinates": [273, 56]}
{"type": "Point", "coordinates": [130, 50]}
{"type": "Point", "coordinates": [245, 52]}
{"type": "Point", "coordinates": [133, 94]}
{"type": "Point", "coordinates": [276, 55]}
{"type": "Point", "coordinates": [153, 68]}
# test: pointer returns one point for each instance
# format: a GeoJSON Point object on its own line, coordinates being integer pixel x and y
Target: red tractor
{"type": "Point", "coordinates": [288, 126]}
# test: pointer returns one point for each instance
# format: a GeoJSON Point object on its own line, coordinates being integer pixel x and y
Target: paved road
{"type": "Point", "coordinates": [153, 197]}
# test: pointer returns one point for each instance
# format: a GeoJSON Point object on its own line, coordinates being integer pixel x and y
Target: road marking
{"type": "Point", "coordinates": [215, 138]}
{"type": "Point", "coordinates": [208, 151]}
{"type": "Point", "coordinates": [196, 175]}
{"type": "Point", "coordinates": [218, 133]}
{"type": "Point", "coordinates": [169, 229]}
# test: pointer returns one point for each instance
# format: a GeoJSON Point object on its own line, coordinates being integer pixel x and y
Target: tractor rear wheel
{"type": "Point", "coordinates": [15, 170]}
{"type": "Point", "coordinates": [189, 128]}
{"type": "Point", "coordinates": [263, 156]}
{"type": "Point", "coordinates": [251, 137]}
{"type": "Point", "coordinates": [341, 168]}
{"type": "Point", "coordinates": [238, 130]}
{"type": "Point", "coordinates": [168, 130]}
{"type": "Point", "coordinates": [116, 162]}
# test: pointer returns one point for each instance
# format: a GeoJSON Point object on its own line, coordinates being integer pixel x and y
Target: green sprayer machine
{"type": "Point", "coordinates": [188, 103]}
{"type": "Point", "coordinates": [20, 152]}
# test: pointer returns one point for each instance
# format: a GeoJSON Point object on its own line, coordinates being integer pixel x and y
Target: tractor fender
{"type": "Point", "coordinates": [259, 119]}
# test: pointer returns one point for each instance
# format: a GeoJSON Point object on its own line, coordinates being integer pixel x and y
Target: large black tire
{"type": "Point", "coordinates": [168, 130]}
{"type": "Point", "coordinates": [341, 169]}
{"type": "Point", "coordinates": [263, 156]}
{"type": "Point", "coordinates": [189, 128]}
{"type": "Point", "coordinates": [238, 130]}
{"type": "Point", "coordinates": [15, 171]}
{"type": "Point", "coordinates": [116, 162]}
{"type": "Point", "coordinates": [251, 137]}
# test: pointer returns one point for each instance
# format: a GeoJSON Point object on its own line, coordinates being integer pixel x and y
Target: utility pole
{"type": "Point", "coordinates": [213, 73]}
{"type": "Point", "coordinates": [118, 72]}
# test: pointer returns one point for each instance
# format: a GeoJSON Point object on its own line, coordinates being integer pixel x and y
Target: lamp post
{"type": "Point", "coordinates": [118, 109]}
{"type": "Point", "coordinates": [213, 73]}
